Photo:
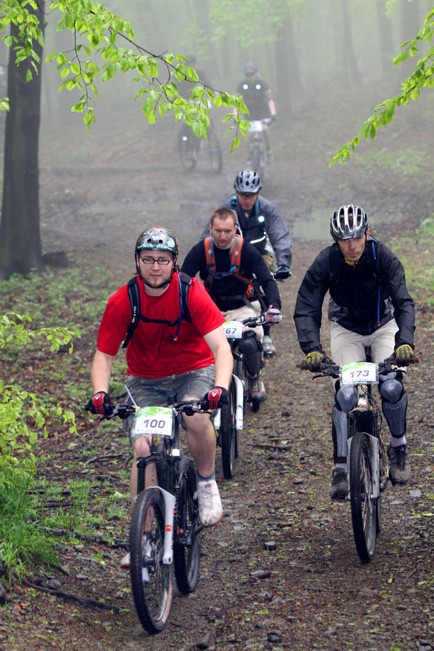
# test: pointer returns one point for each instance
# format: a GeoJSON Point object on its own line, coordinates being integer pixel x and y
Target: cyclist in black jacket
{"type": "Point", "coordinates": [260, 223]}
{"type": "Point", "coordinates": [369, 306]}
{"type": "Point", "coordinates": [228, 265]}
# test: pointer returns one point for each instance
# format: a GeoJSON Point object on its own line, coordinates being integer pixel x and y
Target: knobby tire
{"type": "Point", "coordinates": [228, 433]}
{"type": "Point", "coordinates": [150, 580]}
{"type": "Point", "coordinates": [257, 159]}
{"type": "Point", "coordinates": [187, 539]}
{"type": "Point", "coordinates": [363, 506]}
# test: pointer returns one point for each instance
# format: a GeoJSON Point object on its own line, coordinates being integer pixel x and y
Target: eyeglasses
{"type": "Point", "coordinates": [160, 261]}
{"type": "Point", "coordinates": [247, 195]}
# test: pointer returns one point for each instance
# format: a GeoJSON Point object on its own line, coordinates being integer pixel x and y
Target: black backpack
{"type": "Point", "coordinates": [136, 316]}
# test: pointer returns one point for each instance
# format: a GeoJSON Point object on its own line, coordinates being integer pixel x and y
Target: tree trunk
{"type": "Point", "coordinates": [20, 239]}
{"type": "Point", "coordinates": [348, 55]}
{"type": "Point", "coordinates": [288, 86]}
{"type": "Point", "coordinates": [387, 48]}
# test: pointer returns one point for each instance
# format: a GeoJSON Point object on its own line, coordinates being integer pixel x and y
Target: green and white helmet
{"type": "Point", "coordinates": [157, 239]}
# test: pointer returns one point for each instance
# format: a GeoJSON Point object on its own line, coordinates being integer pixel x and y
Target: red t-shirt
{"type": "Point", "coordinates": [151, 353]}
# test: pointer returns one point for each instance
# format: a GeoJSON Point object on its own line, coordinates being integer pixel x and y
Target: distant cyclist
{"type": "Point", "coordinates": [260, 223]}
{"type": "Point", "coordinates": [258, 98]}
{"type": "Point", "coordinates": [369, 306]}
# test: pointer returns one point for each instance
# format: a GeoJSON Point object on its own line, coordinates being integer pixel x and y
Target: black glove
{"type": "Point", "coordinates": [273, 118]}
{"type": "Point", "coordinates": [216, 398]}
{"type": "Point", "coordinates": [100, 403]}
{"type": "Point", "coordinates": [404, 355]}
{"type": "Point", "coordinates": [282, 272]}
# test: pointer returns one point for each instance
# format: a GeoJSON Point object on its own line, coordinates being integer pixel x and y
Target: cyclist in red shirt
{"type": "Point", "coordinates": [171, 357]}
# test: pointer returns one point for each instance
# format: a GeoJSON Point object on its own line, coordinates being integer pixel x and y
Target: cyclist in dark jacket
{"type": "Point", "coordinates": [260, 223]}
{"type": "Point", "coordinates": [258, 97]}
{"type": "Point", "coordinates": [228, 264]}
{"type": "Point", "coordinates": [369, 306]}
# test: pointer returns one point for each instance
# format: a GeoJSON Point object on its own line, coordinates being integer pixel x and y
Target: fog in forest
{"type": "Point", "coordinates": [329, 62]}
{"type": "Point", "coordinates": [321, 52]}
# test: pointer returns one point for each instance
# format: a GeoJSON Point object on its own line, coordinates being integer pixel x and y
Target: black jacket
{"type": "Point", "coordinates": [229, 291]}
{"type": "Point", "coordinates": [362, 297]}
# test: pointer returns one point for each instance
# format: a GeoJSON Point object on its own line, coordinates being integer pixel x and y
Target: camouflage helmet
{"type": "Point", "coordinates": [157, 238]}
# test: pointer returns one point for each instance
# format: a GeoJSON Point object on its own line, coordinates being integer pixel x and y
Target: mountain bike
{"type": "Point", "coordinates": [229, 420]}
{"type": "Point", "coordinates": [367, 463]}
{"type": "Point", "coordinates": [190, 147]}
{"type": "Point", "coordinates": [165, 529]}
{"type": "Point", "coordinates": [257, 146]}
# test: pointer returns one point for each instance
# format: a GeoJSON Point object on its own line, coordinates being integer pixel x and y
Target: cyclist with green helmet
{"type": "Point", "coordinates": [369, 307]}
{"type": "Point", "coordinates": [170, 357]}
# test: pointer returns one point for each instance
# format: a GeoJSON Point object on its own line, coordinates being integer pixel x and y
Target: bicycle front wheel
{"type": "Point", "coordinates": [363, 504]}
{"type": "Point", "coordinates": [257, 159]}
{"type": "Point", "coordinates": [150, 580]}
{"type": "Point", "coordinates": [187, 530]}
{"type": "Point", "coordinates": [228, 433]}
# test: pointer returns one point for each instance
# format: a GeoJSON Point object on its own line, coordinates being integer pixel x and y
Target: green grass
{"type": "Point", "coordinates": [406, 162]}
{"type": "Point", "coordinates": [419, 269]}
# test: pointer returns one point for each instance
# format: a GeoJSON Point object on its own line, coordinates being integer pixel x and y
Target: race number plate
{"type": "Point", "coordinates": [359, 373]}
{"type": "Point", "coordinates": [256, 126]}
{"type": "Point", "coordinates": [233, 329]}
{"type": "Point", "coordinates": [154, 420]}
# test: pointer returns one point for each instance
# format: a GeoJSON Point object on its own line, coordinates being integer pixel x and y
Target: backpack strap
{"type": "Point", "coordinates": [184, 282]}
{"type": "Point", "coordinates": [374, 248]}
{"type": "Point", "coordinates": [134, 296]}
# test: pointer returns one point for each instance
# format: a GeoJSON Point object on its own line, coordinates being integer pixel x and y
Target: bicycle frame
{"type": "Point", "coordinates": [167, 422]}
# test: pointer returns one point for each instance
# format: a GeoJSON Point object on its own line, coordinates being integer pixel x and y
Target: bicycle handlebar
{"type": "Point", "coordinates": [330, 369]}
{"type": "Point", "coordinates": [253, 321]}
{"type": "Point", "coordinates": [189, 407]}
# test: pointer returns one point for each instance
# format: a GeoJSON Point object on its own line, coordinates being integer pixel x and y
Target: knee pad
{"type": "Point", "coordinates": [346, 398]}
{"type": "Point", "coordinates": [340, 434]}
{"type": "Point", "coordinates": [391, 388]}
{"type": "Point", "coordinates": [396, 414]}
{"type": "Point", "coordinates": [251, 349]}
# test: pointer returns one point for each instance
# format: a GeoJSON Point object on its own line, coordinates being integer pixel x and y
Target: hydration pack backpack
{"type": "Point", "coordinates": [184, 282]}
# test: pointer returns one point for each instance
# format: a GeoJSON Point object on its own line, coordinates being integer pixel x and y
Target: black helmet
{"type": "Point", "coordinates": [250, 69]}
{"type": "Point", "coordinates": [157, 239]}
{"type": "Point", "coordinates": [247, 182]}
{"type": "Point", "coordinates": [348, 222]}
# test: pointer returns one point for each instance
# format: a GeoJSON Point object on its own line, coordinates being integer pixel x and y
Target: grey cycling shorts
{"type": "Point", "coordinates": [170, 389]}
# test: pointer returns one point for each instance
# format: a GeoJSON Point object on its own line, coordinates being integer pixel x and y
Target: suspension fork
{"type": "Point", "coordinates": [169, 506]}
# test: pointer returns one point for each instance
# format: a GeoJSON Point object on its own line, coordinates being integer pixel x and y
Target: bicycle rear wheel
{"type": "Point", "coordinates": [215, 151]}
{"type": "Point", "coordinates": [228, 433]}
{"type": "Point", "coordinates": [187, 535]}
{"type": "Point", "coordinates": [363, 505]}
{"type": "Point", "coordinates": [188, 147]}
{"type": "Point", "coordinates": [150, 580]}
